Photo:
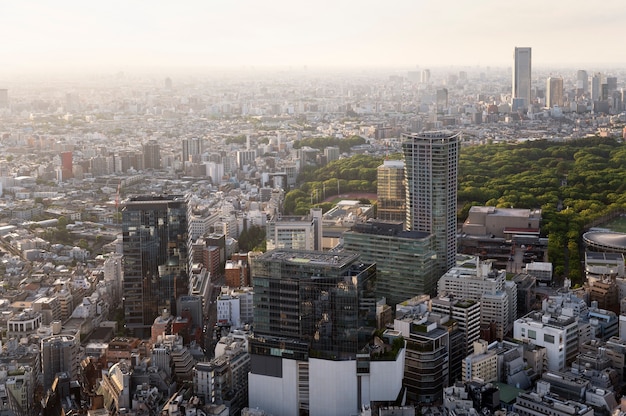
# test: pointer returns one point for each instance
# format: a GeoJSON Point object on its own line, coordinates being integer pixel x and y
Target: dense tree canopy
{"type": "Point", "coordinates": [320, 143]}
{"type": "Point", "coordinates": [354, 174]}
{"type": "Point", "coordinates": [573, 182]}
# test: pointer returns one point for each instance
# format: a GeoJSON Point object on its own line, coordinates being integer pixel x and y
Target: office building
{"type": "Point", "coordinates": [558, 333]}
{"type": "Point", "coordinates": [295, 232]}
{"type": "Point", "coordinates": [482, 364]}
{"type": "Point", "coordinates": [554, 92]}
{"type": "Point", "coordinates": [427, 361]}
{"type": "Point", "coordinates": [191, 147]}
{"type": "Point", "coordinates": [466, 313]}
{"type": "Point", "coordinates": [596, 86]}
{"type": "Point", "coordinates": [332, 153]}
{"type": "Point", "coordinates": [405, 260]}
{"type": "Point", "coordinates": [475, 280]}
{"type": "Point", "coordinates": [314, 315]}
{"type": "Point", "coordinates": [391, 191]}
{"type": "Point", "coordinates": [582, 82]}
{"type": "Point", "coordinates": [59, 354]}
{"type": "Point", "coordinates": [67, 165]}
{"type": "Point", "coordinates": [431, 169]}
{"type": "Point", "coordinates": [522, 67]}
{"type": "Point", "coordinates": [151, 155]}
{"type": "Point", "coordinates": [154, 238]}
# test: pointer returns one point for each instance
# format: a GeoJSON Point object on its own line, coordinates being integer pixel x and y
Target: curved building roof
{"type": "Point", "coordinates": [606, 241]}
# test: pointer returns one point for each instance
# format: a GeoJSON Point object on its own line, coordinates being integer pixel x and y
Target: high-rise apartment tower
{"type": "Point", "coordinates": [431, 169]}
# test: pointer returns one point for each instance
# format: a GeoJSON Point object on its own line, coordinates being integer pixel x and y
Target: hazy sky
{"type": "Point", "coordinates": [121, 34]}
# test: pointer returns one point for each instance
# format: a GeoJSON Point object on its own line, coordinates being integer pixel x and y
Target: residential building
{"type": "Point", "coordinates": [482, 364]}
{"type": "Point", "coordinates": [431, 170]}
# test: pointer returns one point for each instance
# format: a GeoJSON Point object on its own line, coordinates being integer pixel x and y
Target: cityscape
{"type": "Point", "coordinates": [301, 238]}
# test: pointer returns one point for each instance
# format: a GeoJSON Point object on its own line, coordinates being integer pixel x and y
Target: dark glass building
{"type": "Point", "coordinates": [322, 301]}
{"type": "Point", "coordinates": [154, 230]}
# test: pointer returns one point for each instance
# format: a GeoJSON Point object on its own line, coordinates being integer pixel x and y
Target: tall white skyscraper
{"type": "Point", "coordinates": [521, 75]}
{"type": "Point", "coordinates": [431, 171]}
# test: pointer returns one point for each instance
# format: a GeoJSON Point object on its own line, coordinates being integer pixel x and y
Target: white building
{"type": "Point", "coordinates": [558, 334]}
{"type": "Point", "coordinates": [477, 281]}
{"type": "Point", "coordinates": [343, 393]}
{"type": "Point", "coordinates": [296, 232]}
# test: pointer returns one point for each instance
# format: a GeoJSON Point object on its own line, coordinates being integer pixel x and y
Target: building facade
{"type": "Point", "coordinates": [522, 67]}
{"type": "Point", "coordinates": [314, 315]}
{"type": "Point", "coordinates": [391, 191]}
{"type": "Point", "coordinates": [405, 260]}
{"type": "Point", "coordinates": [154, 235]}
{"type": "Point", "coordinates": [431, 173]}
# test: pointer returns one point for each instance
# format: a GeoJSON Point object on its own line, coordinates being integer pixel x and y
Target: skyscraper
{"type": "Point", "coordinates": [66, 165]}
{"type": "Point", "coordinates": [191, 147]}
{"type": "Point", "coordinates": [154, 233]}
{"type": "Point", "coordinates": [152, 155]}
{"type": "Point", "coordinates": [554, 92]}
{"type": "Point", "coordinates": [431, 168]}
{"type": "Point", "coordinates": [596, 86]}
{"type": "Point", "coordinates": [582, 82]}
{"type": "Point", "coordinates": [391, 191]}
{"type": "Point", "coordinates": [521, 75]}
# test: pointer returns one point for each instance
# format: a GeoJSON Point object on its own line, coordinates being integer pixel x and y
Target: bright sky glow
{"type": "Point", "coordinates": [119, 34]}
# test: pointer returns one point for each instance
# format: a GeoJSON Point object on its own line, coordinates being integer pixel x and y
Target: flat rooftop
{"type": "Point", "coordinates": [338, 259]}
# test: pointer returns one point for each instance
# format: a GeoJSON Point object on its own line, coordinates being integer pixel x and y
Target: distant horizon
{"type": "Point", "coordinates": [117, 35]}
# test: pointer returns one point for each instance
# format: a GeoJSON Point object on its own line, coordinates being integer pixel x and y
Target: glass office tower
{"type": "Point", "coordinates": [154, 233]}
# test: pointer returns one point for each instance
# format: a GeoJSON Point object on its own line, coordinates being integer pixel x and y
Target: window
{"type": "Point", "coordinates": [532, 334]}
{"type": "Point", "coordinates": [548, 338]}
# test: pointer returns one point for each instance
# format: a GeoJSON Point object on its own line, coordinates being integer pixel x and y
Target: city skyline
{"type": "Point", "coordinates": [117, 35]}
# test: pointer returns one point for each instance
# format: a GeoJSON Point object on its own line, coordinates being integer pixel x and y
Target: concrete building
{"type": "Point", "coordinates": [482, 364]}
{"type": "Point", "coordinates": [466, 313]}
{"type": "Point", "coordinates": [558, 333]}
{"type": "Point", "coordinates": [296, 233]}
{"type": "Point", "coordinates": [475, 280]}
{"type": "Point", "coordinates": [59, 353]}
{"type": "Point", "coordinates": [431, 170]}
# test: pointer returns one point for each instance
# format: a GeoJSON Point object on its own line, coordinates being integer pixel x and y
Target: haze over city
{"type": "Point", "coordinates": [40, 36]}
